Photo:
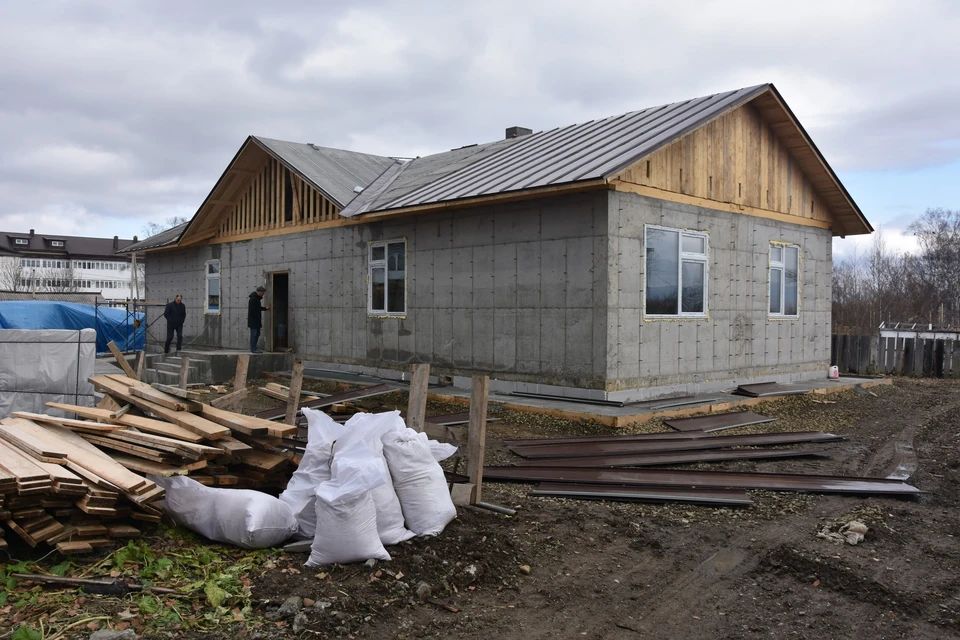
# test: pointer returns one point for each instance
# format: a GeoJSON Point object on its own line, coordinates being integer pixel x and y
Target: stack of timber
{"type": "Point", "coordinates": [78, 483]}
{"type": "Point", "coordinates": [624, 467]}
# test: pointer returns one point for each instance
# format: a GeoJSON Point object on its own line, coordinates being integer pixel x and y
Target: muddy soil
{"type": "Point", "coordinates": [609, 570]}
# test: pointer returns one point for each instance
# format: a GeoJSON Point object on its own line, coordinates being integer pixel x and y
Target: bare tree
{"type": "Point", "coordinates": [938, 261]}
{"type": "Point", "coordinates": [153, 228]}
{"type": "Point", "coordinates": [11, 274]}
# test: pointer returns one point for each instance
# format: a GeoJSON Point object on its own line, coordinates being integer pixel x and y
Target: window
{"type": "Point", "coordinates": [388, 278]}
{"type": "Point", "coordinates": [784, 280]}
{"type": "Point", "coordinates": [21, 241]}
{"type": "Point", "coordinates": [56, 243]}
{"type": "Point", "coordinates": [676, 272]}
{"type": "Point", "coordinates": [213, 286]}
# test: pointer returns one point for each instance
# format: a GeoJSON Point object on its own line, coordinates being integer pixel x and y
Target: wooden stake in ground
{"type": "Point", "coordinates": [417, 403]}
{"type": "Point", "coordinates": [240, 379]}
{"type": "Point", "coordinates": [121, 361]}
{"type": "Point", "coordinates": [296, 382]}
{"type": "Point", "coordinates": [139, 363]}
{"type": "Point", "coordinates": [477, 433]}
{"type": "Point", "coordinates": [184, 371]}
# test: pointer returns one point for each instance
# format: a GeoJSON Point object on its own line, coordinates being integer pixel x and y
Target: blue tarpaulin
{"type": "Point", "coordinates": [111, 324]}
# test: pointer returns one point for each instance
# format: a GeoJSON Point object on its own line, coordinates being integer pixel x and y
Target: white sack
{"type": "Point", "coordinates": [300, 495]}
{"type": "Point", "coordinates": [346, 514]}
{"type": "Point", "coordinates": [418, 481]}
{"type": "Point", "coordinates": [441, 450]}
{"type": "Point", "coordinates": [346, 532]}
{"type": "Point", "coordinates": [370, 428]}
{"type": "Point", "coordinates": [248, 519]}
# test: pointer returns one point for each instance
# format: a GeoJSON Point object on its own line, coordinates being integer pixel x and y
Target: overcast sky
{"type": "Point", "coordinates": [116, 113]}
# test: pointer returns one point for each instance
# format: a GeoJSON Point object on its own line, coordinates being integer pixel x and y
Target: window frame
{"type": "Point", "coordinates": [382, 264]}
{"type": "Point", "coordinates": [682, 257]}
{"type": "Point", "coordinates": [56, 243]}
{"type": "Point", "coordinates": [21, 241]}
{"type": "Point", "coordinates": [781, 266]}
{"type": "Point", "coordinates": [207, 277]}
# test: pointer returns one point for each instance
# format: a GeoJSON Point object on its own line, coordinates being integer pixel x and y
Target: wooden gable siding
{"type": "Point", "coordinates": [275, 200]}
{"type": "Point", "coordinates": [736, 159]}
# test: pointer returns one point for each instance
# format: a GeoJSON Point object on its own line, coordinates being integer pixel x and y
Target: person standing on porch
{"type": "Point", "coordinates": [254, 319]}
{"type": "Point", "coordinates": [176, 313]}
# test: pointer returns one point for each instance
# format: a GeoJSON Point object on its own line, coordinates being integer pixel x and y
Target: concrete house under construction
{"type": "Point", "coordinates": [681, 247]}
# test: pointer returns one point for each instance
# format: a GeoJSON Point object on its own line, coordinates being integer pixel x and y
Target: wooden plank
{"type": "Point", "coordinates": [166, 444]}
{"type": "Point", "coordinates": [184, 371]}
{"type": "Point", "coordinates": [185, 419]}
{"type": "Point", "coordinates": [233, 446]}
{"type": "Point", "coordinates": [184, 393]}
{"type": "Point", "coordinates": [165, 400]}
{"type": "Point", "coordinates": [146, 466]}
{"type": "Point", "coordinates": [133, 449]}
{"type": "Point", "coordinates": [126, 380]}
{"type": "Point", "coordinates": [67, 422]}
{"type": "Point", "coordinates": [293, 401]}
{"type": "Point", "coordinates": [149, 425]}
{"type": "Point", "coordinates": [121, 360]}
{"type": "Point", "coordinates": [57, 473]}
{"type": "Point", "coordinates": [108, 403]}
{"type": "Point", "coordinates": [240, 379]}
{"type": "Point", "coordinates": [477, 433]}
{"type": "Point", "coordinates": [417, 403]}
{"type": "Point", "coordinates": [17, 432]}
{"type": "Point", "coordinates": [247, 425]}
{"type": "Point", "coordinates": [261, 459]}
{"type": "Point", "coordinates": [74, 547]}
{"type": "Point", "coordinates": [232, 399]}
{"type": "Point", "coordinates": [139, 363]}
{"type": "Point", "coordinates": [19, 465]}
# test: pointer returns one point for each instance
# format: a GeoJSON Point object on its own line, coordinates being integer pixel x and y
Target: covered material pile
{"type": "Point", "coordinates": [77, 483]}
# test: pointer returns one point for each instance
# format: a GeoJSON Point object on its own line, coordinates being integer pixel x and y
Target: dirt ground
{"type": "Point", "coordinates": [576, 569]}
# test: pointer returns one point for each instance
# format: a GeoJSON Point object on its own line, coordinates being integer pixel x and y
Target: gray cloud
{"type": "Point", "coordinates": [117, 113]}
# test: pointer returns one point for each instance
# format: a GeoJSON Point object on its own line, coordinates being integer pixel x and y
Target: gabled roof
{"type": "Point", "coordinates": [73, 246]}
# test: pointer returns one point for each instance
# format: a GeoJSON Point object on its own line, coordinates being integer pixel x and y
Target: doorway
{"type": "Point", "coordinates": [279, 311]}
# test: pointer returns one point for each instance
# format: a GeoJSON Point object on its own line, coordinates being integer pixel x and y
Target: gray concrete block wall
{"type": "Point", "coordinates": [517, 290]}
{"type": "Point", "coordinates": [738, 340]}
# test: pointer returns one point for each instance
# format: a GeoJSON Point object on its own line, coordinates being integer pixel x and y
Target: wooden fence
{"type": "Point", "coordinates": [867, 355]}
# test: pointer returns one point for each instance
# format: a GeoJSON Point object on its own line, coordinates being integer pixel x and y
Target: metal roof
{"type": "Point", "coordinates": [73, 246]}
{"type": "Point", "coordinates": [595, 149]}
{"type": "Point", "coordinates": [162, 239]}
{"type": "Point", "coordinates": [336, 172]}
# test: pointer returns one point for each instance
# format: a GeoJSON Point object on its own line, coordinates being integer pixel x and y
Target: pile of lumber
{"type": "Point", "coordinates": [76, 483]}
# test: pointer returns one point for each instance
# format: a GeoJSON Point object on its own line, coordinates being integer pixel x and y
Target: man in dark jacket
{"type": "Point", "coordinates": [175, 312]}
{"type": "Point", "coordinates": [254, 319]}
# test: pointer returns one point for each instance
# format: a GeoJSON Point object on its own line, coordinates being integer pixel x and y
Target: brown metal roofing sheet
{"type": "Point", "coordinates": [717, 421]}
{"type": "Point", "coordinates": [672, 478]}
{"type": "Point", "coordinates": [682, 444]}
{"type": "Point", "coordinates": [763, 389]}
{"type": "Point", "coordinates": [725, 497]}
{"type": "Point", "coordinates": [629, 437]}
{"type": "Point", "coordinates": [669, 458]}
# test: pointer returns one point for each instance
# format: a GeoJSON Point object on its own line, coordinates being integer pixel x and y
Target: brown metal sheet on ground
{"type": "Point", "coordinates": [682, 444]}
{"type": "Point", "coordinates": [631, 437]}
{"type": "Point", "coordinates": [358, 394]}
{"type": "Point", "coordinates": [722, 497]}
{"type": "Point", "coordinates": [718, 479]}
{"type": "Point", "coordinates": [763, 389]}
{"type": "Point", "coordinates": [717, 421]}
{"type": "Point", "coordinates": [669, 458]}
{"type": "Point", "coordinates": [452, 419]}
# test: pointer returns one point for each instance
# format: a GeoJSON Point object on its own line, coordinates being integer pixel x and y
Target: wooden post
{"type": "Point", "coordinates": [417, 403]}
{"type": "Point", "coordinates": [296, 382]}
{"type": "Point", "coordinates": [139, 364]}
{"type": "Point", "coordinates": [477, 433]}
{"type": "Point", "coordinates": [184, 371]}
{"type": "Point", "coordinates": [121, 360]}
{"type": "Point", "coordinates": [240, 379]}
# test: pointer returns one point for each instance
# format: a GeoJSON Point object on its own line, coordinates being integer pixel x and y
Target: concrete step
{"type": "Point", "coordinates": [174, 367]}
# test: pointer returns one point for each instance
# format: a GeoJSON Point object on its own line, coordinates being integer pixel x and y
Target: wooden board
{"type": "Point", "coordinates": [121, 360]}
{"type": "Point", "coordinates": [21, 434]}
{"type": "Point", "coordinates": [185, 394]}
{"type": "Point", "coordinates": [149, 425]}
{"type": "Point", "coordinates": [165, 399]}
{"type": "Point", "coordinates": [247, 425]}
{"type": "Point", "coordinates": [232, 399]}
{"type": "Point", "coordinates": [66, 422]}
{"type": "Point", "coordinates": [143, 452]}
{"type": "Point", "coordinates": [185, 419]}
{"type": "Point", "coordinates": [18, 465]}
{"type": "Point", "coordinates": [261, 459]}
{"type": "Point", "coordinates": [233, 446]}
{"type": "Point", "coordinates": [185, 449]}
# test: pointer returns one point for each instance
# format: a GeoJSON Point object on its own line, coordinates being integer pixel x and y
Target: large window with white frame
{"type": "Point", "coordinates": [675, 273]}
{"type": "Point", "coordinates": [784, 280]}
{"type": "Point", "coordinates": [387, 278]}
{"type": "Point", "coordinates": [212, 301]}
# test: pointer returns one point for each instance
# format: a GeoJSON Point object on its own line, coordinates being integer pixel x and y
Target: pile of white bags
{"type": "Point", "coordinates": [365, 485]}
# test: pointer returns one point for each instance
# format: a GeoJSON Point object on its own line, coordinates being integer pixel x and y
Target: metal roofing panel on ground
{"type": "Point", "coordinates": [336, 172]}
{"type": "Point", "coordinates": [725, 497]}
{"type": "Point", "coordinates": [629, 437]}
{"type": "Point", "coordinates": [763, 389]}
{"type": "Point", "coordinates": [717, 422]}
{"type": "Point", "coordinates": [682, 444]}
{"type": "Point", "coordinates": [671, 478]}
{"type": "Point", "coordinates": [595, 149]}
{"type": "Point", "coordinates": [669, 458]}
